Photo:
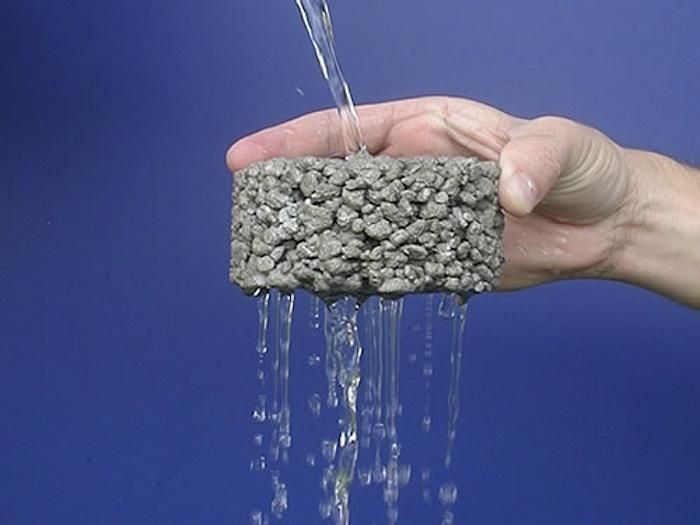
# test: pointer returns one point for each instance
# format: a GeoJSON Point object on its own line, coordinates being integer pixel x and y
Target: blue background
{"type": "Point", "coordinates": [126, 359]}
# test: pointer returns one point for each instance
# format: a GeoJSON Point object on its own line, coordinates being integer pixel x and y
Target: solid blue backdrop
{"type": "Point", "coordinates": [127, 370]}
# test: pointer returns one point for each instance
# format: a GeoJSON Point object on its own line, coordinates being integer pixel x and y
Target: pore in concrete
{"type": "Point", "coordinates": [367, 225]}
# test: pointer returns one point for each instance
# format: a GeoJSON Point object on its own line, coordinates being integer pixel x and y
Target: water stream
{"type": "Point", "coordinates": [317, 20]}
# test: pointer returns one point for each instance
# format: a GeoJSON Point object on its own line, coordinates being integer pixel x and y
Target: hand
{"type": "Point", "coordinates": [566, 189]}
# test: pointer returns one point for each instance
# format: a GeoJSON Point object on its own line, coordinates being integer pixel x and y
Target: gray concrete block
{"type": "Point", "coordinates": [367, 225]}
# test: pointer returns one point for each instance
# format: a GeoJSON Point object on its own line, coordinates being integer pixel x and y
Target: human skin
{"type": "Point", "coordinates": [577, 205]}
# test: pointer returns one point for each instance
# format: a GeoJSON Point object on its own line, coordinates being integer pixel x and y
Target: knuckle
{"type": "Point", "coordinates": [555, 123]}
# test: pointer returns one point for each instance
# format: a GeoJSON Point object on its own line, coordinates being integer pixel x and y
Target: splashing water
{"type": "Point", "coordinates": [317, 20]}
{"type": "Point", "coordinates": [344, 348]}
{"type": "Point", "coordinates": [367, 446]}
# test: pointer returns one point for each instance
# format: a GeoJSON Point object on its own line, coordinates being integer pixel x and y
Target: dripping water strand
{"type": "Point", "coordinates": [286, 309]}
{"type": "Point", "coordinates": [260, 413]}
{"type": "Point", "coordinates": [428, 369]}
{"type": "Point", "coordinates": [426, 421]}
{"type": "Point", "coordinates": [317, 20]}
{"type": "Point", "coordinates": [376, 325]}
{"type": "Point", "coordinates": [458, 324]}
{"type": "Point", "coordinates": [448, 305]}
{"type": "Point", "coordinates": [315, 313]}
{"type": "Point", "coordinates": [282, 305]}
{"type": "Point", "coordinates": [364, 471]}
{"type": "Point", "coordinates": [392, 310]}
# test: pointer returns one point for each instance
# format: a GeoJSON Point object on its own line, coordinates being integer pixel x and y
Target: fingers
{"type": "Point", "coordinates": [318, 134]}
{"type": "Point", "coordinates": [532, 161]}
{"type": "Point", "coordinates": [427, 125]}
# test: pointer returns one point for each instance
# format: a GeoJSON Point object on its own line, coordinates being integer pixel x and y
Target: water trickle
{"type": "Point", "coordinates": [368, 445]}
{"type": "Point", "coordinates": [259, 461]}
{"type": "Point", "coordinates": [390, 311]}
{"type": "Point", "coordinates": [280, 499]}
{"type": "Point", "coordinates": [427, 419]}
{"type": "Point", "coordinates": [317, 20]}
{"type": "Point", "coordinates": [392, 315]}
{"type": "Point", "coordinates": [458, 323]}
{"type": "Point", "coordinates": [272, 407]}
{"type": "Point", "coordinates": [263, 320]}
{"type": "Point", "coordinates": [286, 309]}
{"type": "Point", "coordinates": [315, 313]}
{"type": "Point", "coordinates": [344, 348]}
{"type": "Point", "coordinates": [331, 365]}
{"type": "Point", "coordinates": [447, 306]}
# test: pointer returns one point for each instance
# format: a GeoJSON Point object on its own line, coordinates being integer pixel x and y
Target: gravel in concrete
{"type": "Point", "coordinates": [367, 225]}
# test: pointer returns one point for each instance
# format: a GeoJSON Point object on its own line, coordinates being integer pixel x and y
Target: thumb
{"type": "Point", "coordinates": [532, 162]}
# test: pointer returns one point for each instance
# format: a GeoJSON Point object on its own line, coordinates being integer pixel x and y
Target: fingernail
{"type": "Point", "coordinates": [524, 193]}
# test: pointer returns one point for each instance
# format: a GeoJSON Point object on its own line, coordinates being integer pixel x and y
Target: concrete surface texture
{"type": "Point", "coordinates": [367, 225]}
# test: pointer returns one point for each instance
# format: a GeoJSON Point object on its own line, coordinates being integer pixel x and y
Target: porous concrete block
{"type": "Point", "coordinates": [367, 225]}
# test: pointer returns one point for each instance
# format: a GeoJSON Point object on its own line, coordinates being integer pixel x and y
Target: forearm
{"type": "Point", "coordinates": [658, 241]}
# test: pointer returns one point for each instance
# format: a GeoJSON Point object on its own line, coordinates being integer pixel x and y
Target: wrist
{"type": "Point", "coordinates": [657, 240]}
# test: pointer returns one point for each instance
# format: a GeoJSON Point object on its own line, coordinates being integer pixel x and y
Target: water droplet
{"type": "Point", "coordinates": [315, 404]}
{"type": "Point", "coordinates": [314, 360]}
{"type": "Point", "coordinates": [260, 411]}
{"type": "Point", "coordinates": [404, 474]}
{"type": "Point", "coordinates": [328, 479]}
{"type": "Point", "coordinates": [286, 441]}
{"type": "Point", "coordinates": [258, 464]}
{"type": "Point", "coordinates": [425, 474]}
{"type": "Point", "coordinates": [426, 423]}
{"type": "Point", "coordinates": [365, 475]}
{"type": "Point", "coordinates": [325, 508]}
{"type": "Point", "coordinates": [379, 474]}
{"type": "Point", "coordinates": [256, 518]}
{"type": "Point", "coordinates": [329, 449]}
{"type": "Point", "coordinates": [448, 494]}
{"type": "Point", "coordinates": [280, 499]}
{"type": "Point", "coordinates": [379, 431]}
{"type": "Point", "coordinates": [310, 459]}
